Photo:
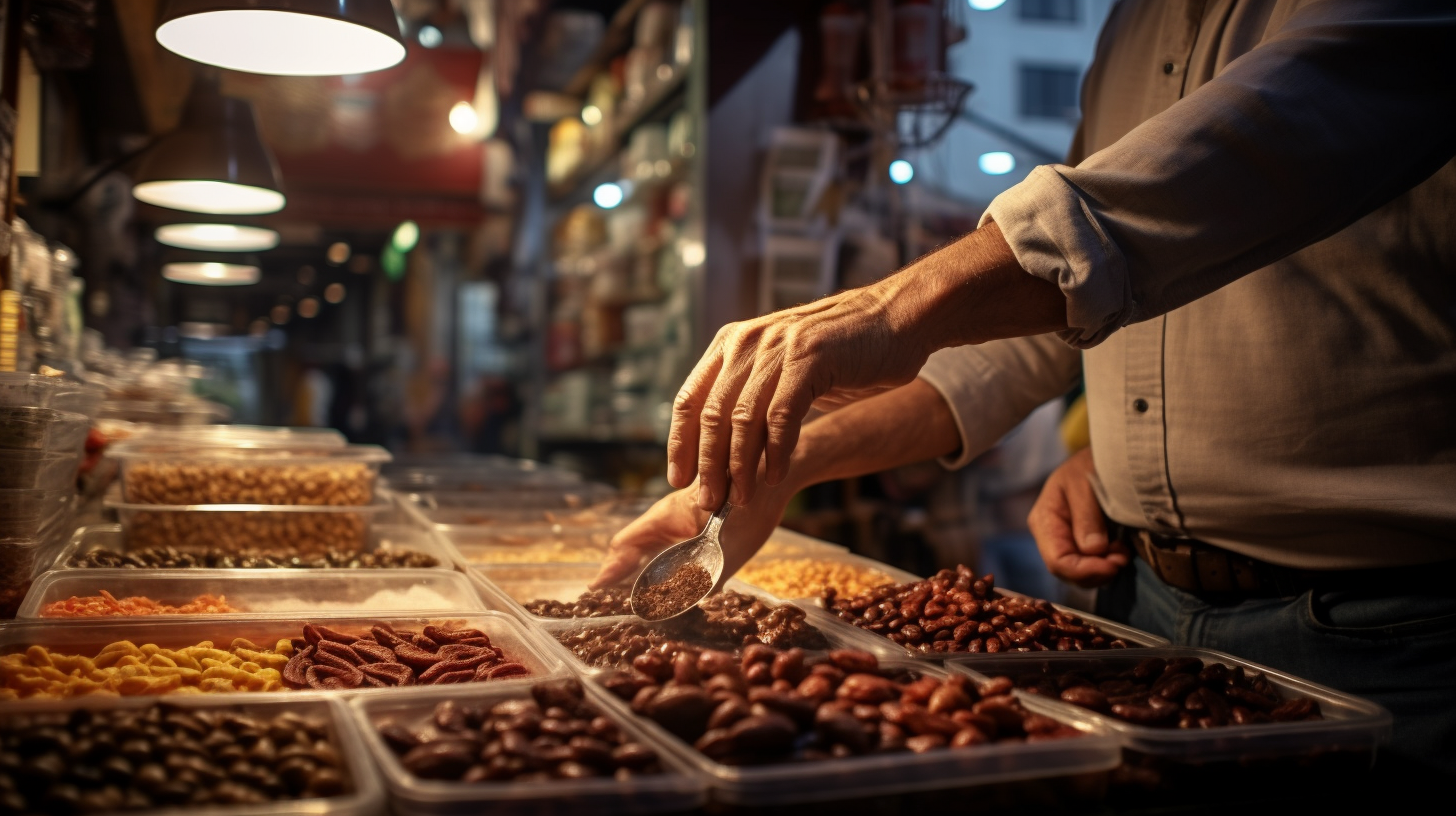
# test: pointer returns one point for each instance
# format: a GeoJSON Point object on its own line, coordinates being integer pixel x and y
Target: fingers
{"type": "Point", "coordinates": [719, 415]}
{"type": "Point", "coordinates": [750, 433]}
{"type": "Point", "coordinates": [1063, 517]}
{"type": "Point", "coordinates": [1089, 528]}
{"type": "Point", "coordinates": [682, 438]}
{"type": "Point", "coordinates": [792, 400]}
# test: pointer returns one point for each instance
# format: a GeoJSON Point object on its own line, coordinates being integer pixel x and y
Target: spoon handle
{"type": "Point", "coordinates": [715, 522]}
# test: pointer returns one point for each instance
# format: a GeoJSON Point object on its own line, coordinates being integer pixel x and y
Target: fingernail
{"type": "Point", "coordinates": [674, 474]}
{"type": "Point", "coordinates": [736, 495]}
{"type": "Point", "coordinates": [705, 497]}
{"type": "Point", "coordinates": [1095, 541]}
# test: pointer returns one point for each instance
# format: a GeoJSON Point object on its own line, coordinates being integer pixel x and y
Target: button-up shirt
{"type": "Point", "coordinates": [1256, 235]}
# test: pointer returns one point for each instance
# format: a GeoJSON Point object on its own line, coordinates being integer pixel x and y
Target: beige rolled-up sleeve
{"type": "Point", "coordinates": [1348, 105]}
{"type": "Point", "coordinates": [991, 387]}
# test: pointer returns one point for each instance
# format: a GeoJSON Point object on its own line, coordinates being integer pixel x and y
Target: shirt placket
{"type": "Point", "coordinates": [1147, 440]}
{"type": "Point", "coordinates": [1145, 367]}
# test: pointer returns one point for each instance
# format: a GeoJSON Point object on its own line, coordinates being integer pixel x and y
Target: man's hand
{"type": "Point", "coordinates": [677, 517]}
{"type": "Point", "coordinates": [745, 401]}
{"type": "Point", "coordinates": [1069, 529]}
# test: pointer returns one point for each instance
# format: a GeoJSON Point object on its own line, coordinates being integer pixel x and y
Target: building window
{"type": "Point", "coordinates": [1049, 11]}
{"type": "Point", "coordinates": [1049, 92]}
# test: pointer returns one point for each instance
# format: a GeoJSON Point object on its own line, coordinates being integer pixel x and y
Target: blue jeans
{"type": "Point", "coordinates": [1395, 646]}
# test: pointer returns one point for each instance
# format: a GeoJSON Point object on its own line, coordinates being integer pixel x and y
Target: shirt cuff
{"type": "Point", "coordinates": [1054, 236]}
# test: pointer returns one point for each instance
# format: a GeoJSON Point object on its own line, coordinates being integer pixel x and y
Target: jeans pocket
{"type": "Point", "coordinates": [1380, 617]}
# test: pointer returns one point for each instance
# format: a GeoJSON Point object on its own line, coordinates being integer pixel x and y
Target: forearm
{"type": "Point", "coordinates": [909, 424]}
{"type": "Point", "coordinates": [974, 291]}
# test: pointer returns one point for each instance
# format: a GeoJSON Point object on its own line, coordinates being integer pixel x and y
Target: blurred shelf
{"type": "Point", "coordinates": [616, 39]}
{"type": "Point", "coordinates": [662, 101]}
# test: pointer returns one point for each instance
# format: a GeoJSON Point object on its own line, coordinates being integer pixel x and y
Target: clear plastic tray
{"type": "Point", "coordinates": [38, 470]}
{"type": "Point", "coordinates": [21, 559]}
{"type": "Point", "coordinates": [237, 436]}
{"type": "Point", "coordinates": [783, 542]}
{"type": "Point", "coordinates": [895, 574]}
{"type": "Point", "coordinates": [252, 591]}
{"type": "Point", "coordinates": [482, 474]}
{"type": "Point", "coordinates": [89, 636]}
{"type": "Point", "coordinates": [381, 537]}
{"type": "Point", "coordinates": [36, 514]}
{"type": "Point", "coordinates": [677, 789]}
{"type": "Point", "coordinates": [534, 544]}
{"type": "Point", "coordinates": [898, 773]}
{"type": "Point", "coordinates": [34, 390]}
{"type": "Point", "coordinates": [306, 529]}
{"type": "Point", "coordinates": [1350, 723]}
{"type": "Point", "coordinates": [365, 798]}
{"type": "Point", "coordinates": [837, 637]}
{"type": "Point", "coordinates": [165, 412]}
{"type": "Point", "coordinates": [582, 504]}
{"type": "Point", "coordinates": [183, 474]}
{"type": "Point", "coordinates": [512, 586]}
{"type": "Point", "coordinates": [42, 429]}
{"type": "Point", "coordinates": [1137, 639]}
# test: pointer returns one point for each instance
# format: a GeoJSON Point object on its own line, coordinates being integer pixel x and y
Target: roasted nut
{"type": "Point", "coordinates": [582, 743]}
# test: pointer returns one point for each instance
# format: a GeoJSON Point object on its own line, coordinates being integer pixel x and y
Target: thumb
{"type": "Point", "coordinates": [1089, 528]}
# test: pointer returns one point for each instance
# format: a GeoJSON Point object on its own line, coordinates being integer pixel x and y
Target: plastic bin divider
{"type": "Point", "coordinates": [1349, 722]}
{"type": "Point", "coordinates": [680, 787]}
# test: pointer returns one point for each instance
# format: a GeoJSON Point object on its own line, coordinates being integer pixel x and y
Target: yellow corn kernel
{"type": "Point", "coordinates": [188, 690]}
{"type": "Point", "coordinates": [31, 684]}
{"type": "Point", "coordinates": [52, 673]}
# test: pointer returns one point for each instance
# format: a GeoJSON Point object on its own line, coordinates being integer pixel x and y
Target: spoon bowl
{"type": "Point", "coordinates": [703, 551]}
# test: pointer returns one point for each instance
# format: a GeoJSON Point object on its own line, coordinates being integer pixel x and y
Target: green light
{"type": "Point", "coordinates": [392, 261]}
{"type": "Point", "coordinates": [405, 237]}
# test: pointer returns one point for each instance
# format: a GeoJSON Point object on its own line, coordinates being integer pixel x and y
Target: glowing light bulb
{"type": "Point", "coordinates": [901, 171]}
{"type": "Point", "coordinates": [608, 195]}
{"type": "Point", "coordinates": [463, 119]}
{"type": "Point", "coordinates": [997, 163]}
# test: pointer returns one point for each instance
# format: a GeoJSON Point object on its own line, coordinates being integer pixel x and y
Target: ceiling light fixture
{"type": "Point", "coordinates": [214, 162]}
{"type": "Point", "coordinates": [285, 37]}
{"type": "Point", "coordinates": [212, 274]}
{"type": "Point", "coordinates": [217, 237]}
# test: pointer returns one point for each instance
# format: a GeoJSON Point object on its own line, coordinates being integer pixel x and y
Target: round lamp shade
{"type": "Point", "coordinates": [214, 162]}
{"type": "Point", "coordinates": [217, 237]}
{"type": "Point", "coordinates": [285, 37]}
{"type": "Point", "coordinates": [210, 273]}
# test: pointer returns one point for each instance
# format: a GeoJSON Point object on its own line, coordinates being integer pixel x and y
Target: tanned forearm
{"type": "Point", "coordinates": [909, 424]}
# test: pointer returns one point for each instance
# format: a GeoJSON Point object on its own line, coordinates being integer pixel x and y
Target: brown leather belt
{"type": "Point", "coordinates": [1204, 569]}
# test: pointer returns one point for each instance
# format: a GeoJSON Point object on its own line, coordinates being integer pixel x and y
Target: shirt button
{"type": "Point", "coordinates": [1167, 67]}
{"type": "Point", "coordinates": [1140, 405]}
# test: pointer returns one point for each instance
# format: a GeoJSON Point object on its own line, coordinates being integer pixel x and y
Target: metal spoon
{"type": "Point", "coordinates": [703, 550]}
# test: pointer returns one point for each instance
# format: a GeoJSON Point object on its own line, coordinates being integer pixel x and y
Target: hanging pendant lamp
{"type": "Point", "coordinates": [285, 37]}
{"type": "Point", "coordinates": [214, 162]}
